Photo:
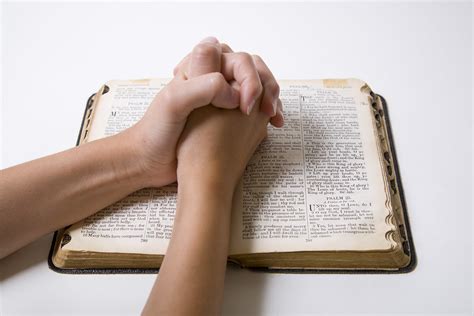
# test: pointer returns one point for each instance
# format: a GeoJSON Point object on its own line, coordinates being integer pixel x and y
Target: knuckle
{"type": "Point", "coordinates": [216, 81]}
{"type": "Point", "coordinates": [257, 58]}
{"type": "Point", "coordinates": [244, 57]}
{"type": "Point", "coordinates": [167, 99]}
{"type": "Point", "coordinates": [255, 89]}
{"type": "Point", "coordinates": [226, 47]}
{"type": "Point", "coordinates": [167, 94]}
{"type": "Point", "coordinates": [273, 88]}
{"type": "Point", "coordinates": [175, 70]}
{"type": "Point", "coordinates": [205, 51]}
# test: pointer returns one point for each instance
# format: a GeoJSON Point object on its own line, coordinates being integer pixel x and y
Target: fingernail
{"type": "Point", "coordinates": [250, 107]}
{"type": "Point", "coordinates": [282, 117]}
{"type": "Point", "coordinates": [275, 105]}
{"type": "Point", "coordinates": [210, 39]}
{"type": "Point", "coordinates": [280, 112]}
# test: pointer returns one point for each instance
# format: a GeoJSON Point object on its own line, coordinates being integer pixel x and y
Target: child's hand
{"type": "Point", "coordinates": [198, 82]}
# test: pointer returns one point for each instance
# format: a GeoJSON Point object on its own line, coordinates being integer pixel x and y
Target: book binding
{"type": "Point", "coordinates": [398, 216]}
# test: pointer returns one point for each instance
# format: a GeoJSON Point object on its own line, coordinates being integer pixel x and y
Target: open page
{"type": "Point", "coordinates": [315, 184]}
{"type": "Point", "coordinates": [143, 221]}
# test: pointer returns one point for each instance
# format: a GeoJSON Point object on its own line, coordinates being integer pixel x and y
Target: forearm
{"type": "Point", "coordinates": [191, 278]}
{"type": "Point", "coordinates": [43, 195]}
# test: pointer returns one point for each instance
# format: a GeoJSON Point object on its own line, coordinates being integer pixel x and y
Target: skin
{"type": "Point", "coordinates": [230, 139]}
{"type": "Point", "coordinates": [194, 266]}
{"type": "Point", "coordinates": [200, 130]}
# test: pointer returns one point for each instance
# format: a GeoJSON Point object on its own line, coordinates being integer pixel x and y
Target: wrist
{"type": "Point", "coordinates": [211, 200]}
{"type": "Point", "coordinates": [127, 161]}
{"type": "Point", "coordinates": [153, 158]}
{"type": "Point", "coordinates": [217, 180]}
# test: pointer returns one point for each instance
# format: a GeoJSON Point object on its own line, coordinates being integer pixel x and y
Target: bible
{"type": "Point", "coordinates": [321, 194]}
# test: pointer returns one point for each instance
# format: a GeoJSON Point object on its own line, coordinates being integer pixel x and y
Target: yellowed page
{"type": "Point", "coordinates": [317, 183]}
{"type": "Point", "coordinates": [142, 222]}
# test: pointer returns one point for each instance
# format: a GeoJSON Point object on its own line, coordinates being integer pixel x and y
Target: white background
{"type": "Point", "coordinates": [419, 56]}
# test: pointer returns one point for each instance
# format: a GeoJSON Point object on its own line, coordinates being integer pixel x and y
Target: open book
{"type": "Point", "coordinates": [323, 192]}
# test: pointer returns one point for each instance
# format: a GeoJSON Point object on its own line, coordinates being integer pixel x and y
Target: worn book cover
{"type": "Point", "coordinates": [321, 194]}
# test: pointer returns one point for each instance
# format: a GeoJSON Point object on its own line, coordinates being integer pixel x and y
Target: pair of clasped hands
{"type": "Point", "coordinates": [206, 151]}
{"type": "Point", "coordinates": [200, 130]}
{"type": "Point", "coordinates": [180, 135]}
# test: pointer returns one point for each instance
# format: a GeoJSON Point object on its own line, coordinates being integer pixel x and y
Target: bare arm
{"type": "Point", "coordinates": [45, 194]}
{"type": "Point", "coordinates": [212, 155]}
{"type": "Point", "coordinates": [51, 192]}
{"type": "Point", "coordinates": [191, 279]}
{"type": "Point", "coordinates": [40, 196]}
